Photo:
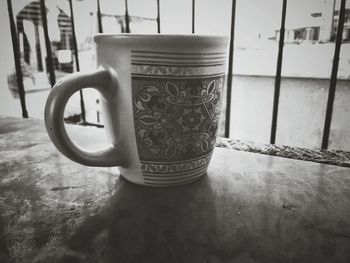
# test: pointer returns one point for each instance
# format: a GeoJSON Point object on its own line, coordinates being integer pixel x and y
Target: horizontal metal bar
{"type": "Point", "coordinates": [86, 123]}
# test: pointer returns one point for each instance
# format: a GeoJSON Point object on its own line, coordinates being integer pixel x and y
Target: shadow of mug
{"type": "Point", "coordinates": [142, 224]}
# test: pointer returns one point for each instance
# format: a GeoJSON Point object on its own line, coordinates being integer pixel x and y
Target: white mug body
{"type": "Point", "coordinates": [161, 111]}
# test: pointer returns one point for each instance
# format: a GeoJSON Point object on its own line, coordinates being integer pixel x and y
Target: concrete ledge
{"type": "Point", "coordinates": [333, 157]}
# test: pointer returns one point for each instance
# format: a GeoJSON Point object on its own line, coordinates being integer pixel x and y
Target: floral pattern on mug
{"type": "Point", "coordinates": [176, 119]}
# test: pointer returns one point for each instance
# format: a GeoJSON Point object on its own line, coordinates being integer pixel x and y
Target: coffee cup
{"type": "Point", "coordinates": [161, 100]}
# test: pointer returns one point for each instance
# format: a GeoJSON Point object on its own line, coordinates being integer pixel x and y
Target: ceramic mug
{"type": "Point", "coordinates": [161, 102]}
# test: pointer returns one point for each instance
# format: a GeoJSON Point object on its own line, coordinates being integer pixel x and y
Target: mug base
{"type": "Point", "coordinates": [168, 183]}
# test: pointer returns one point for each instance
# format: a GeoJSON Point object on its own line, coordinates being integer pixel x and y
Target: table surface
{"type": "Point", "coordinates": [248, 208]}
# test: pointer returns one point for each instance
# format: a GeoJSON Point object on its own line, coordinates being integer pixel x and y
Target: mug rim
{"type": "Point", "coordinates": [106, 36]}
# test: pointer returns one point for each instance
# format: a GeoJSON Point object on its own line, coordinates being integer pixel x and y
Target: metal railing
{"type": "Point", "coordinates": [333, 83]}
{"type": "Point", "coordinates": [333, 77]}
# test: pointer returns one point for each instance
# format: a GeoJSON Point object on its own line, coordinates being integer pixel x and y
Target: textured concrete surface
{"type": "Point", "coordinates": [249, 208]}
{"type": "Point", "coordinates": [334, 157]}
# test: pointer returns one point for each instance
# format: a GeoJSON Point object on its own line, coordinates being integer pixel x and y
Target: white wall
{"type": "Point", "coordinates": [301, 111]}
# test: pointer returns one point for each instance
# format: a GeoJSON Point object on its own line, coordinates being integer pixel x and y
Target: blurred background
{"type": "Point", "coordinates": [309, 45]}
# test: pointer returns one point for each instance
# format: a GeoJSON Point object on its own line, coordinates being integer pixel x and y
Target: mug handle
{"type": "Point", "coordinates": [102, 80]}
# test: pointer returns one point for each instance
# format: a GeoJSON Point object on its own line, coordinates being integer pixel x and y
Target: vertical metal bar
{"type": "Point", "coordinates": [230, 73]}
{"type": "Point", "coordinates": [38, 47]}
{"type": "Point", "coordinates": [127, 18]}
{"type": "Point", "coordinates": [48, 44]}
{"type": "Point", "coordinates": [278, 75]}
{"type": "Point", "coordinates": [17, 57]}
{"type": "Point", "coordinates": [333, 81]}
{"type": "Point", "coordinates": [99, 17]}
{"type": "Point", "coordinates": [98, 112]}
{"type": "Point", "coordinates": [193, 14]}
{"type": "Point", "coordinates": [332, 23]}
{"type": "Point", "coordinates": [75, 47]}
{"type": "Point", "coordinates": [158, 17]}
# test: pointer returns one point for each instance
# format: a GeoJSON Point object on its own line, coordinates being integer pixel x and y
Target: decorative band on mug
{"type": "Point", "coordinates": [176, 71]}
{"type": "Point", "coordinates": [171, 176]}
{"type": "Point", "coordinates": [178, 64]}
{"type": "Point", "coordinates": [182, 62]}
{"type": "Point", "coordinates": [159, 181]}
{"type": "Point", "coordinates": [163, 55]}
{"type": "Point", "coordinates": [153, 63]}
{"type": "Point", "coordinates": [175, 167]}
